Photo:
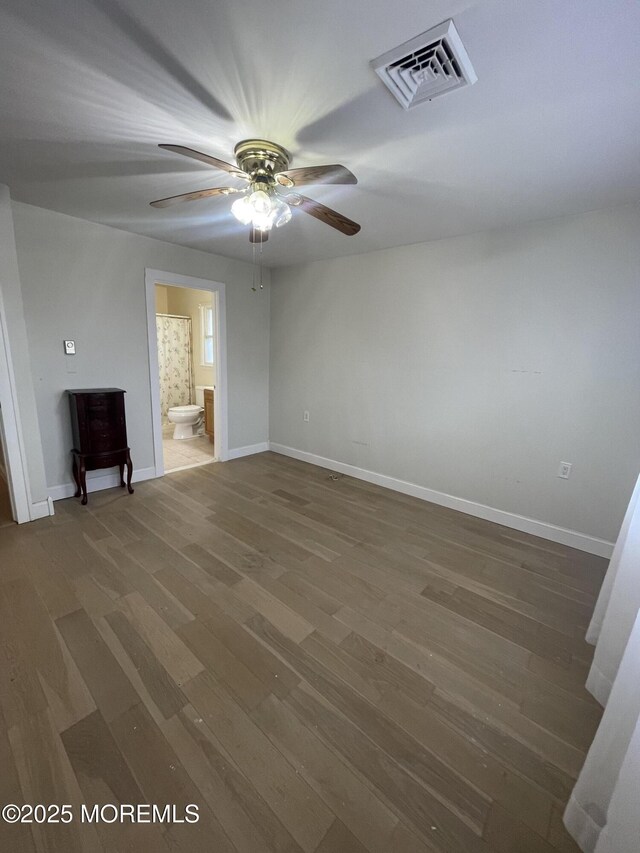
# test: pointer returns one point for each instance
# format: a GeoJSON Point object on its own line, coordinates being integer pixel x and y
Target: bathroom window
{"type": "Point", "coordinates": [206, 321]}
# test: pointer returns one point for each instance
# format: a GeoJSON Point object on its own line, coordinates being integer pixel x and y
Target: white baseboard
{"type": "Point", "coordinates": [562, 535]}
{"type": "Point", "coordinates": [249, 450]}
{"type": "Point", "coordinates": [97, 484]}
{"type": "Point", "coordinates": [41, 509]}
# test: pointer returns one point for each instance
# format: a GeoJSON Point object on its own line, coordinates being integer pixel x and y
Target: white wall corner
{"type": "Point", "coordinates": [571, 538]}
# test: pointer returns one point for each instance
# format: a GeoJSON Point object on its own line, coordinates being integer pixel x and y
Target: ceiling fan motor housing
{"type": "Point", "coordinates": [261, 158]}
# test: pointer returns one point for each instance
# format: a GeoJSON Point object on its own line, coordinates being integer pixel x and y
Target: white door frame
{"type": "Point", "coordinates": [220, 419]}
{"type": "Point", "coordinates": [11, 428]}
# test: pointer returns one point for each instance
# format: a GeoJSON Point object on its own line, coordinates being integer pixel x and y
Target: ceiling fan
{"type": "Point", "coordinates": [264, 200]}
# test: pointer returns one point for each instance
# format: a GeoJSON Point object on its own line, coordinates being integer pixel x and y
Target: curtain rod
{"type": "Point", "coordinates": [177, 316]}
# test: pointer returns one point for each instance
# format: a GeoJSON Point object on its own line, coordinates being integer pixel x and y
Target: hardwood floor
{"type": "Point", "coordinates": [318, 664]}
{"type": "Point", "coordinates": [6, 517]}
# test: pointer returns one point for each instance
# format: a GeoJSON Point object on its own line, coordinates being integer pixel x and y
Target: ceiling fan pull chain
{"type": "Point", "coordinates": [261, 284]}
{"type": "Point", "coordinates": [253, 252]}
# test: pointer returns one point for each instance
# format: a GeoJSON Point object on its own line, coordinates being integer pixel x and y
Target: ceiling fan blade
{"type": "Point", "coordinates": [166, 202]}
{"type": "Point", "coordinates": [206, 158]}
{"type": "Point", "coordinates": [335, 174]}
{"type": "Point", "coordinates": [324, 214]}
{"type": "Point", "coordinates": [258, 236]}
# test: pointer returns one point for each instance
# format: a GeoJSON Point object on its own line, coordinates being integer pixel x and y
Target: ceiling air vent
{"type": "Point", "coordinates": [429, 65]}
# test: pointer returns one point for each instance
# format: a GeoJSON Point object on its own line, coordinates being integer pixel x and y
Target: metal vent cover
{"type": "Point", "coordinates": [427, 66]}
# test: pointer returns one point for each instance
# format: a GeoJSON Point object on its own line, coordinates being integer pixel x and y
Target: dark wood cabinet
{"type": "Point", "coordinates": [208, 414]}
{"type": "Point", "coordinates": [99, 429]}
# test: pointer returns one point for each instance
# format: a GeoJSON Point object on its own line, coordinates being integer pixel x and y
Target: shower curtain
{"type": "Point", "coordinates": [174, 361]}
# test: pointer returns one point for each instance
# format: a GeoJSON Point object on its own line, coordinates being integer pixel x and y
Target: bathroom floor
{"type": "Point", "coordinates": [185, 454]}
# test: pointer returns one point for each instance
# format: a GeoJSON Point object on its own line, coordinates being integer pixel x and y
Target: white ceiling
{"type": "Point", "coordinates": [88, 89]}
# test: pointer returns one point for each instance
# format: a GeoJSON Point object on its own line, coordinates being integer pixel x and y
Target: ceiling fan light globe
{"type": "Point", "coordinates": [263, 221]}
{"type": "Point", "coordinates": [242, 210]}
{"type": "Point", "coordinates": [282, 213]}
{"type": "Point", "coordinates": [260, 202]}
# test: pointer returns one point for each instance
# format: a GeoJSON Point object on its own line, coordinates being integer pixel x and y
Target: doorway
{"type": "Point", "coordinates": [186, 321]}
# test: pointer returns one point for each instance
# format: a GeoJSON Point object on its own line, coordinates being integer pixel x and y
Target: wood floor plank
{"type": "Point", "coordinates": [282, 551]}
{"type": "Point", "coordinates": [168, 647]}
{"type": "Point", "coordinates": [211, 564]}
{"type": "Point", "coordinates": [404, 841]}
{"type": "Point", "coordinates": [163, 690]}
{"type": "Point", "coordinates": [166, 605]}
{"type": "Point", "coordinates": [247, 689]}
{"type": "Point", "coordinates": [340, 840]}
{"type": "Point", "coordinates": [388, 674]}
{"type": "Point", "coordinates": [243, 813]}
{"type": "Point", "coordinates": [109, 686]}
{"type": "Point", "coordinates": [497, 779]}
{"type": "Point", "coordinates": [296, 804]}
{"type": "Point", "coordinates": [412, 801]}
{"type": "Point", "coordinates": [105, 778]}
{"type": "Point", "coordinates": [321, 622]}
{"type": "Point", "coordinates": [279, 678]}
{"type": "Point", "coordinates": [13, 836]}
{"type": "Point", "coordinates": [163, 780]}
{"type": "Point", "coordinates": [362, 812]}
{"type": "Point", "coordinates": [47, 777]}
{"type": "Point", "coordinates": [290, 623]}
{"type": "Point", "coordinates": [508, 835]}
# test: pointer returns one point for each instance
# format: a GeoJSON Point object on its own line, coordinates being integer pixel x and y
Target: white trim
{"type": "Point", "coordinates": [42, 509]}
{"type": "Point", "coordinates": [97, 484]}
{"type": "Point", "coordinates": [203, 308]}
{"type": "Point", "coordinates": [571, 538]}
{"type": "Point", "coordinates": [599, 685]}
{"type": "Point", "coordinates": [190, 465]}
{"type": "Point", "coordinates": [248, 450]}
{"type": "Point", "coordinates": [220, 416]}
{"type": "Point", "coordinates": [12, 440]}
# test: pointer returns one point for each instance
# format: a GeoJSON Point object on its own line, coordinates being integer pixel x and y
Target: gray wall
{"type": "Point", "coordinates": [474, 365]}
{"type": "Point", "coordinates": [86, 282]}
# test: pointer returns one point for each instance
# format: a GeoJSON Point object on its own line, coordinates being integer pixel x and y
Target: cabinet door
{"type": "Point", "coordinates": [105, 422]}
{"type": "Point", "coordinates": [208, 413]}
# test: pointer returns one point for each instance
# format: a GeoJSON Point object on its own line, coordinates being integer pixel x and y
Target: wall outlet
{"type": "Point", "coordinates": [305, 416]}
{"type": "Point", "coordinates": [564, 470]}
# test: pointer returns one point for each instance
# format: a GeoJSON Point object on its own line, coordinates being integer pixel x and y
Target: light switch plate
{"type": "Point", "coordinates": [70, 347]}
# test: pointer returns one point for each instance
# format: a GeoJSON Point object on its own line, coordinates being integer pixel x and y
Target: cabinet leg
{"type": "Point", "coordinates": [121, 466]}
{"type": "Point", "coordinates": [76, 478]}
{"type": "Point", "coordinates": [129, 473]}
{"type": "Point", "coordinates": [83, 481]}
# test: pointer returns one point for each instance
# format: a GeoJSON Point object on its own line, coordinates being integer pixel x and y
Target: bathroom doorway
{"type": "Point", "coordinates": [187, 361]}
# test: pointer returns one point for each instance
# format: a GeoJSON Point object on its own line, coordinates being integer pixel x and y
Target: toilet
{"type": "Point", "coordinates": [185, 419]}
